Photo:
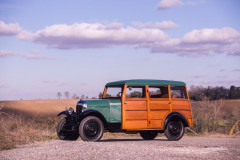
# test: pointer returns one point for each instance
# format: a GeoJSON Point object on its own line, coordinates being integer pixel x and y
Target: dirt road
{"type": "Point", "coordinates": [130, 148]}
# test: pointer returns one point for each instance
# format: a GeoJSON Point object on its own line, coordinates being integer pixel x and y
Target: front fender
{"type": "Point", "coordinates": [63, 112]}
{"type": "Point", "coordinates": [91, 112]}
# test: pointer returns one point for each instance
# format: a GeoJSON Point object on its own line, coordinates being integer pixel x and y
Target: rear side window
{"type": "Point", "coordinates": [178, 92]}
{"type": "Point", "coordinates": [135, 92]}
{"type": "Point", "coordinates": [158, 92]}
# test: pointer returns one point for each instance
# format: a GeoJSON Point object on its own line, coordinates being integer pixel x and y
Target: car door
{"type": "Point", "coordinates": [159, 104]}
{"type": "Point", "coordinates": [134, 108]}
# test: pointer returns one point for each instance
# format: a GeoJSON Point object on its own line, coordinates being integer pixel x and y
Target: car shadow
{"type": "Point", "coordinates": [129, 139]}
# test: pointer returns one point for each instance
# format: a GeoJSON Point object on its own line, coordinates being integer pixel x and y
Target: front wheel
{"type": "Point", "coordinates": [149, 135]}
{"type": "Point", "coordinates": [91, 129]}
{"type": "Point", "coordinates": [64, 131]}
{"type": "Point", "coordinates": [174, 130]}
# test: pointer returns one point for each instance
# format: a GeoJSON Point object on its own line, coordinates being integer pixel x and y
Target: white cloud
{"type": "Point", "coordinates": [97, 35]}
{"type": "Point", "coordinates": [212, 35]}
{"type": "Point", "coordinates": [165, 4]}
{"type": "Point", "coordinates": [3, 86]}
{"type": "Point", "coordinates": [33, 55]}
{"type": "Point", "coordinates": [36, 56]}
{"type": "Point", "coordinates": [9, 29]}
{"type": "Point", "coordinates": [201, 42]}
{"type": "Point", "coordinates": [159, 25]}
{"type": "Point", "coordinates": [197, 42]}
{"type": "Point", "coordinates": [5, 53]}
{"type": "Point", "coordinates": [144, 35]}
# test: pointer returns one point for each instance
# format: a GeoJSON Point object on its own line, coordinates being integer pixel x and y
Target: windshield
{"type": "Point", "coordinates": [114, 93]}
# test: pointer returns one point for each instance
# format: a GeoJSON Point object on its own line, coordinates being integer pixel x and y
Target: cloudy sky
{"type": "Point", "coordinates": [79, 46]}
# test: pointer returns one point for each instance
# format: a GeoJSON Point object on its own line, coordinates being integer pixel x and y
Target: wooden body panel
{"type": "Point", "coordinates": [159, 108]}
{"type": "Point", "coordinates": [150, 113]}
{"type": "Point", "coordinates": [136, 113]}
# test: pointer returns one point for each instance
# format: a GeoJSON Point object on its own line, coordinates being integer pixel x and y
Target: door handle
{"type": "Point", "coordinates": [125, 102]}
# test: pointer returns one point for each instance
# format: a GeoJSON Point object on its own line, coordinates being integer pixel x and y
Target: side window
{"type": "Point", "coordinates": [178, 92]}
{"type": "Point", "coordinates": [158, 92]}
{"type": "Point", "coordinates": [135, 92]}
{"type": "Point", "coordinates": [113, 92]}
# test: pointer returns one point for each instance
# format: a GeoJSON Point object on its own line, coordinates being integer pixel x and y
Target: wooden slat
{"type": "Point", "coordinates": [156, 124]}
{"type": "Point", "coordinates": [136, 115]}
{"type": "Point", "coordinates": [136, 124]}
{"type": "Point", "coordinates": [159, 114]}
{"type": "Point", "coordinates": [136, 105]}
{"type": "Point", "coordinates": [159, 105]}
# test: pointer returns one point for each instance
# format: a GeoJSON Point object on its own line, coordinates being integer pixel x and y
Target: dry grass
{"type": "Point", "coordinates": [40, 108]}
{"type": "Point", "coordinates": [22, 129]}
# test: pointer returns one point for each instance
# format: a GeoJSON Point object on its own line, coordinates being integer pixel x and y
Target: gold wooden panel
{"type": "Point", "coordinates": [160, 114]}
{"type": "Point", "coordinates": [156, 124]}
{"type": "Point", "coordinates": [180, 105]}
{"type": "Point", "coordinates": [136, 115]}
{"type": "Point", "coordinates": [136, 105]}
{"type": "Point", "coordinates": [136, 124]}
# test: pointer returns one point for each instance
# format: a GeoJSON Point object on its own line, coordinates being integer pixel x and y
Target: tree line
{"type": "Point", "coordinates": [74, 96]}
{"type": "Point", "coordinates": [214, 93]}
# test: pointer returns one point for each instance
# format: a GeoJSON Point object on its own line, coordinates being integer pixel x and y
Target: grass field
{"type": "Point", "coordinates": [38, 107]}
{"type": "Point", "coordinates": [52, 107]}
{"type": "Point", "coordinates": [25, 121]}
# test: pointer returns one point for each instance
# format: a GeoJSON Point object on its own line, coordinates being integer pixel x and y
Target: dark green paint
{"type": "Point", "coordinates": [103, 106]}
{"type": "Point", "coordinates": [144, 82]}
{"type": "Point", "coordinates": [115, 110]}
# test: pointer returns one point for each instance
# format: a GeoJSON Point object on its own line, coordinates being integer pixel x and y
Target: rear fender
{"type": "Point", "coordinates": [177, 116]}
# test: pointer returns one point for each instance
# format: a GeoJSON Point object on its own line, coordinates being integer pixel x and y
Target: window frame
{"type": "Point", "coordinates": [185, 94]}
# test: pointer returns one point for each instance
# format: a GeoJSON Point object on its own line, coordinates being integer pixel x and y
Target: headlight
{"type": "Point", "coordinates": [70, 111]}
{"type": "Point", "coordinates": [83, 104]}
{"type": "Point", "coordinates": [84, 107]}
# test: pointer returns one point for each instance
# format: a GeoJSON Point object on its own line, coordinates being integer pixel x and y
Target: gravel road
{"type": "Point", "coordinates": [129, 148]}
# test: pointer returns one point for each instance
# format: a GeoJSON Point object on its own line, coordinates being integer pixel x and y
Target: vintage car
{"type": "Point", "coordinates": [147, 107]}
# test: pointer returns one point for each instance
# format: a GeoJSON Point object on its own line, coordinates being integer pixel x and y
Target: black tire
{"type": "Point", "coordinates": [91, 129]}
{"type": "Point", "coordinates": [71, 136]}
{"type": "Point", "coordinates": [148, 135]}
{"type": "Point", "coordinates": [174, 130]}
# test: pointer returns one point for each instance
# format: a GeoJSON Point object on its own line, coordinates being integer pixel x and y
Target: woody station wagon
{"type": "Point", "coordinates": [147, 107]}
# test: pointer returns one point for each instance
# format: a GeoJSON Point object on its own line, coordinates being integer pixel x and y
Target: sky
{"type": "Point", "coordinates": [78, 46]}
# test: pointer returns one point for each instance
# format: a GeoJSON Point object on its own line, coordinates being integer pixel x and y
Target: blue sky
{"type": "Point", "coordinates": [79, 46]}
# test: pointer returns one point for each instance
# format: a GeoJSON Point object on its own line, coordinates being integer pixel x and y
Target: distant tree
{"type": "Point", "coordinates": [87, 97]}
{"type": "Point", "coordinates": [66, 94]}
{"type": "Point", "coordinates": [75, 96]}
{"type": "Point", "coordinates": [135, 94]}
{"type": "Point", "coordinates": [100, 95]}
{"type": "Point", "coordinates": [59, 94]}
{"type": "Point", "coordinates": [214, 93]}
{"type": "Point", "coordinates": [83, 96]}
{"type": "Point", "coordinates": [234, 92]}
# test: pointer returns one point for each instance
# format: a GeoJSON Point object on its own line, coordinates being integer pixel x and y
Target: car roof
{"type": "Point", "coordinates": [144, 82]}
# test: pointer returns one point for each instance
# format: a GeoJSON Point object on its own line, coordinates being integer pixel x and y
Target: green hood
{"type": "Point", "coordinates": [109, 108]}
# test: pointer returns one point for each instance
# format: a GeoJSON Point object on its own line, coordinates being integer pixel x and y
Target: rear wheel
{"type": "Point", "coordinates": [91, 129]}
{"type": "Point", "coordinates": [174, 130]}
{"type": "Point", "coordinates": [149, 135]}
{"type": "Point", "coordinates": [64, 131]}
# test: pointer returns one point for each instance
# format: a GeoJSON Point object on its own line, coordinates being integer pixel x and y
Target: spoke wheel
{"type": "Point", "coordinates": [64, 131]}
{"type": "Point", "coordinates": [174, 130]}
{"type": "Point", "coordinates": [91, 129]}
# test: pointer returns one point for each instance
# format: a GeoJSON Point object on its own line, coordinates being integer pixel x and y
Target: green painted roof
{"type": "Point", "coordinates": [144, 82]}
